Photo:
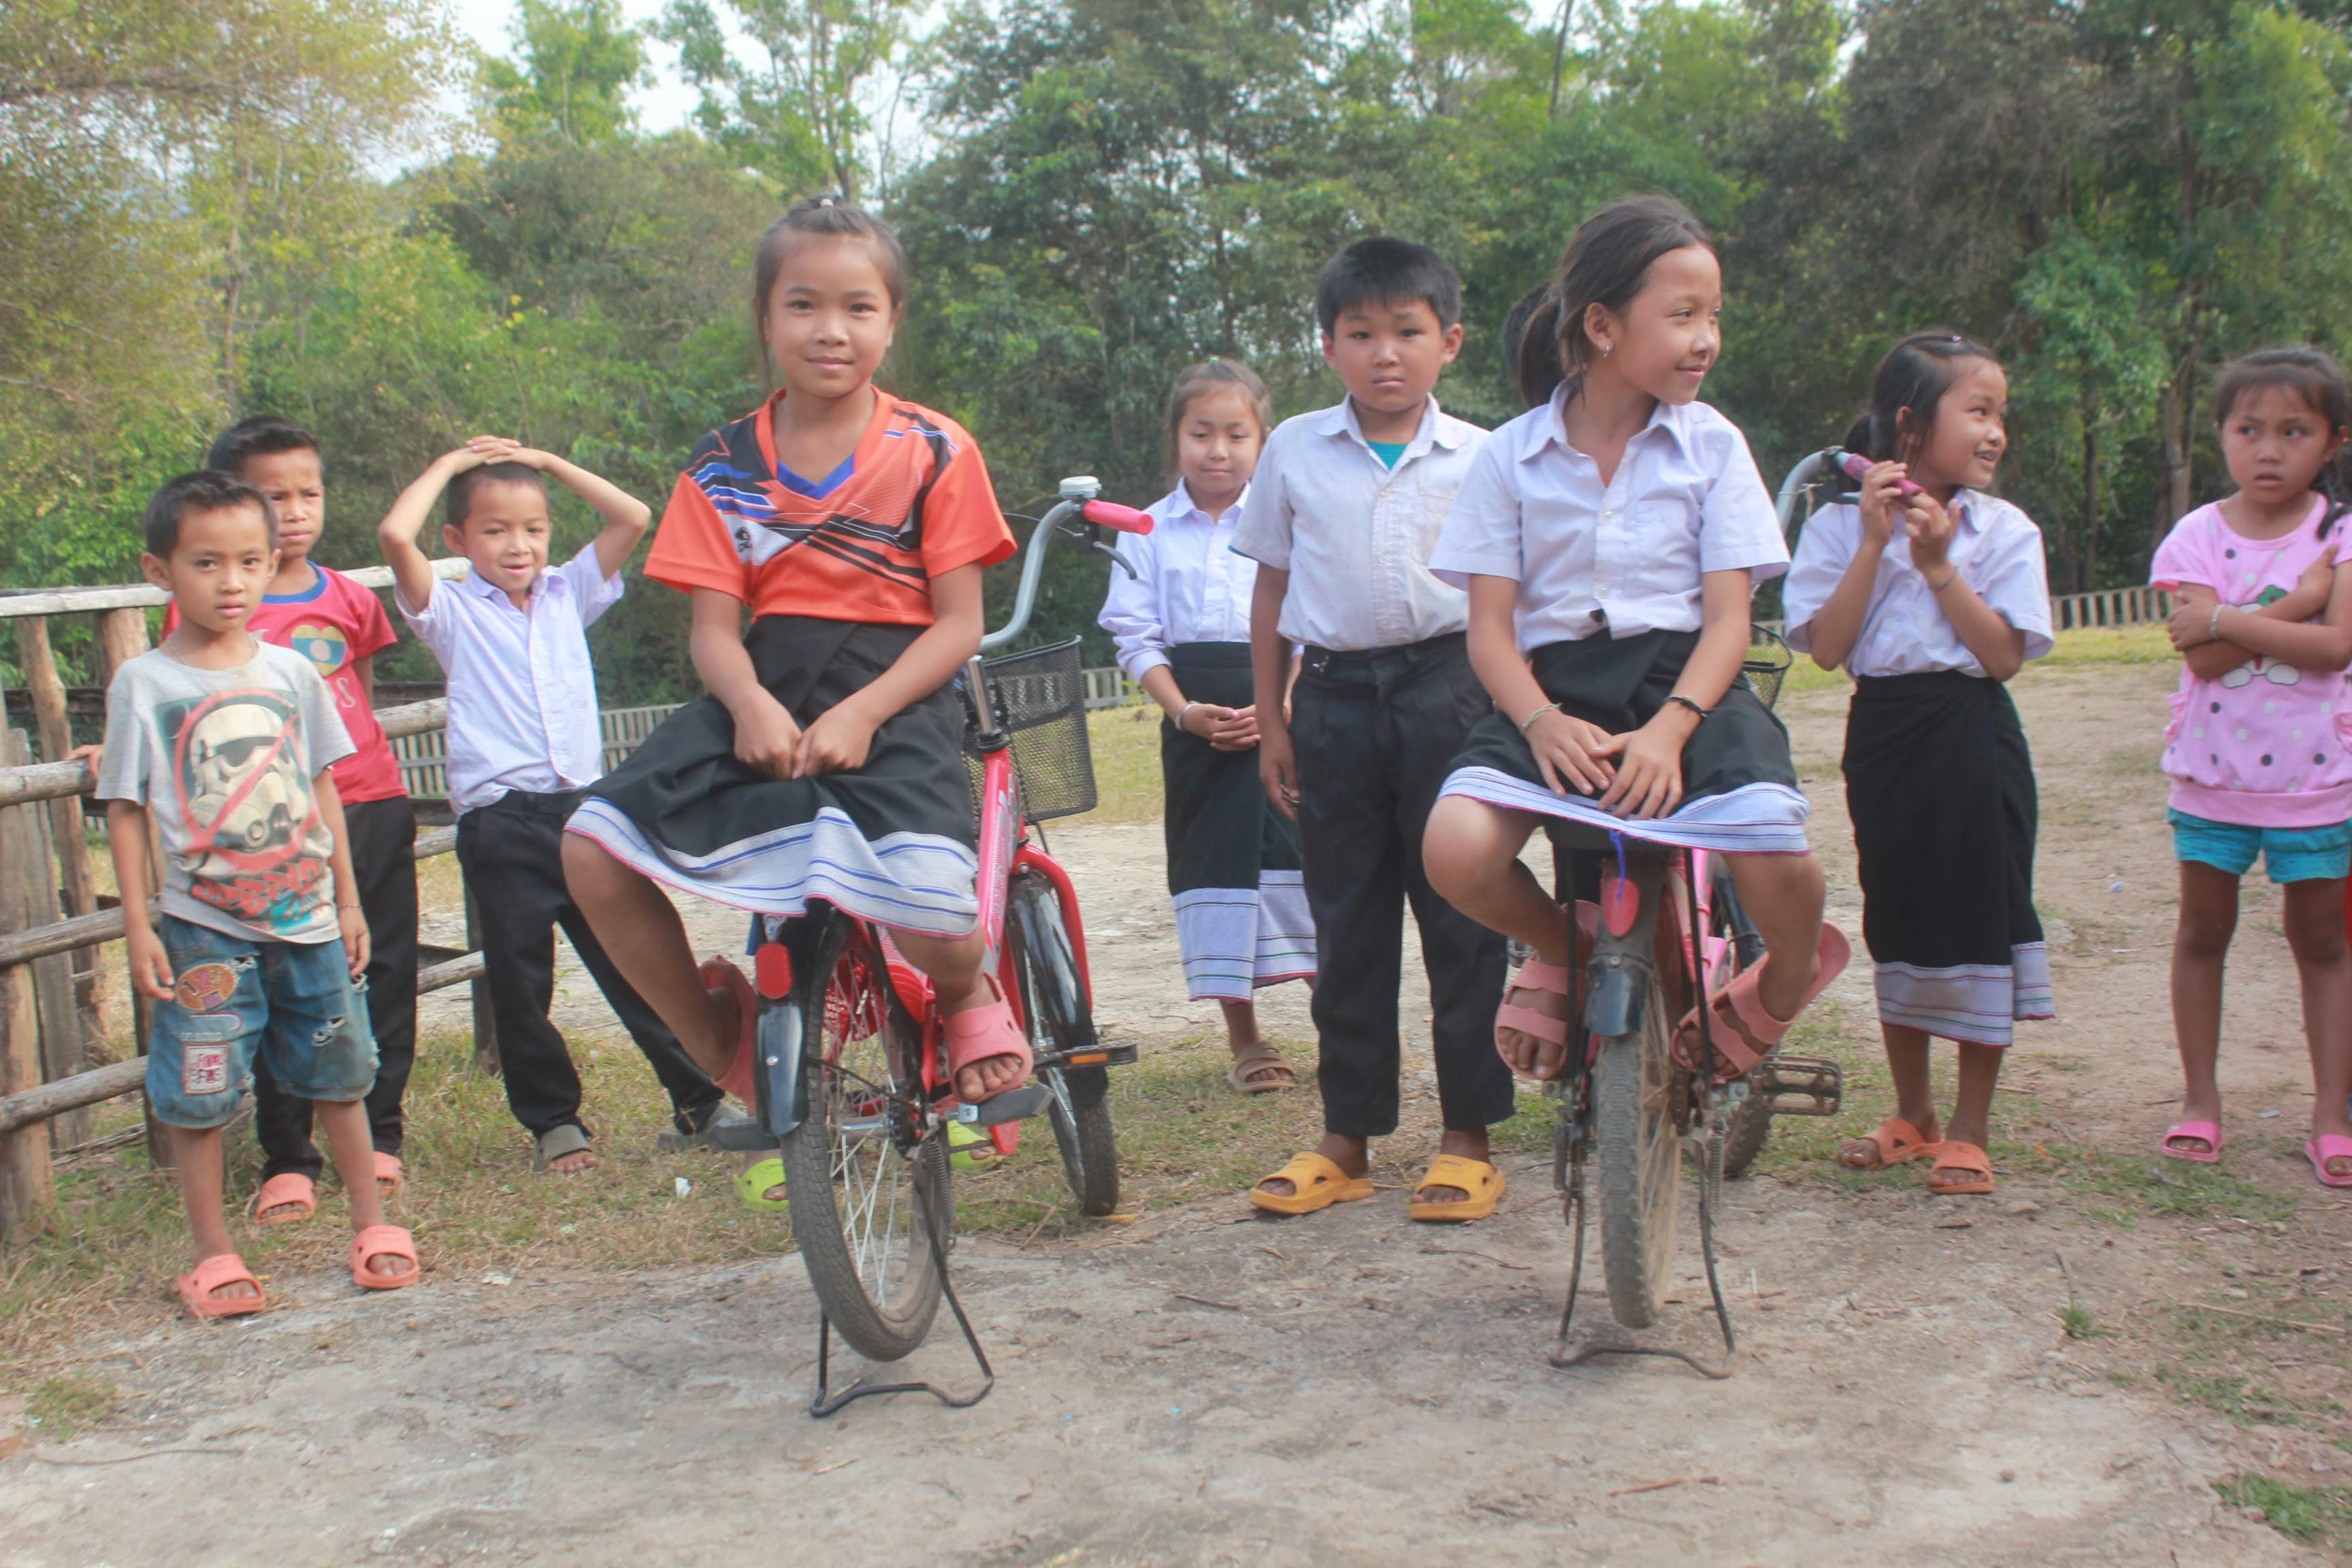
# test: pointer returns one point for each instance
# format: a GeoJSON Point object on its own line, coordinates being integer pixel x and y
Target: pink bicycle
{"type": "Point", "coordinates": [1665, 931]}
{"type": "Point", "coordinates": [851, 1076]}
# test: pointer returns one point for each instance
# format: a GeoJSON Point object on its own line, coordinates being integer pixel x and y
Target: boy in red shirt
{"type": "Point", "coordinates": [339, 626]}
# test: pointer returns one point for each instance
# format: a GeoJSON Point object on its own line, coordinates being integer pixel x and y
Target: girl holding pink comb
{"type": "Point", "coordinates": [1931, 594]}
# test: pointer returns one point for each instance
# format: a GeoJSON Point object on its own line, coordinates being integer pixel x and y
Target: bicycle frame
{"type": "Point", "coordinates": [1005, 851]}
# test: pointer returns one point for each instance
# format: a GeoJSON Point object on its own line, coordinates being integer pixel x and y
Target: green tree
{"type": "Point", "coordinates": [578, 63]}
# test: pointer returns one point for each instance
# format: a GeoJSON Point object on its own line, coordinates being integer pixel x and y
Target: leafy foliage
{"type": "Point", "coordinates": [227, 205]}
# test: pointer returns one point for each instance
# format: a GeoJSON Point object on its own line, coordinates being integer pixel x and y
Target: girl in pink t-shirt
{"type": "Point", "coordinates": [2260, 745]}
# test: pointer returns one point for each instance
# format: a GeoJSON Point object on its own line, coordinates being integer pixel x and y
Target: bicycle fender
{"type": "Point", "coordinates": [1620, 993]}
{"type": "Point", "coordinates": [784, 1095]}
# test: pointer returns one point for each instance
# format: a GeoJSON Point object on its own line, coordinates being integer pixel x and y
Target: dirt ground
{"type": "Point", "coordinates": [1197, 1386]}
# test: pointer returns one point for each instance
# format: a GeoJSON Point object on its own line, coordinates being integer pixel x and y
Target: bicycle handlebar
{"type": "Point", "coordinates": [1079, 495]}
{"type": "Point", "coordinates": [1110, 514]}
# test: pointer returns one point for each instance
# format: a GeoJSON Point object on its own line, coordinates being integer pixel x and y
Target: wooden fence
{"type": "Point", "coordinates": [2110, 607]}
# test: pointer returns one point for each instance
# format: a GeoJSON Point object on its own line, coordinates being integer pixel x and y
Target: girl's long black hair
{"type": "Point", "coordinates": [1607, 260]}
{"type": "Point", "coordinates": [1911, 379]}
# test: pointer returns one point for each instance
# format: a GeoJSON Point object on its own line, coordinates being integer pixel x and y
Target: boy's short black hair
{"type": "Point", "coordinates": [457, 500]}
{"type": "Point", "coordinates": [262, 436]}
{"type": "Point", "coordinates": [1386, 270]}
{"type": "Point", "coordinates": [207, 489]}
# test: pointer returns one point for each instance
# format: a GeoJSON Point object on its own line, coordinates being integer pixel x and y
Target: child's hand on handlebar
{"type": "Point", "coordinates": [766, 736]}
{"type": "Point", "coordinates": [836, 742]}
{"type": "Point", "coordinates": [1277, 766]}
{"type": "Point", "coordinates": [1649, 775]}
{"type": "Point", "coordinates": [1568, 750]}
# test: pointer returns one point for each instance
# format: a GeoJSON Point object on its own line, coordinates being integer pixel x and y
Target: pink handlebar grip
{"type": "Point", "coordinates": [1110, 514]}
{"type": "Point", "coordinates": [1856, 465]}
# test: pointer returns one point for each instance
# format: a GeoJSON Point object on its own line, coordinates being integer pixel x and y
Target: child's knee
{"type": "Point", "coordinates": [2205, 932]}
{"type": "Point", "coordinates": [1462, 844]}
{"type": "Point", "coordinates": [2315, 930]}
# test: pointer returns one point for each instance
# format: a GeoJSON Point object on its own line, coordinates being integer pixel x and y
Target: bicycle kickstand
{"type": "Point", "coordinates": [825, 1402]}
{"type": "Point", "coordinates": [1565, 1356]}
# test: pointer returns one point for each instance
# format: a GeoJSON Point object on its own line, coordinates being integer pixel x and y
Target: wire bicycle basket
{"type": "Point", "coordinates": [1040, 697]}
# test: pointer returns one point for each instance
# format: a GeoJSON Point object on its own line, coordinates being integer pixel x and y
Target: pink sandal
{"type": "Point", "coordinates": [721, 978]}
{"type": "Point", "coordinates": [1553, 979]}
{"type": "Point", "coordinates": [976, 1034]}
{"type": "Point", "coordinates": [2208, 1132]}
{"type": "Point", "coordinates": [221, 1269]}
{"type": "Point", "coordinates": [284, 1188]}
{"type": "Point", "coordinates": [383, 1241]}
{"type": "Point", "coordinates": [1748, 1007]}
{"type": "Point", "coordinates": [2326, 1147]}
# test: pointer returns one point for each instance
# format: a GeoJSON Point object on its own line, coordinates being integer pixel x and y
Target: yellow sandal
{"type": "Point", "coordinates": [1479, 1179]}
{"type": "Point", "coordinates": [1315, 1183]}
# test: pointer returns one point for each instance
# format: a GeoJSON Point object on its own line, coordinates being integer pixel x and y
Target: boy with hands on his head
{"type": "Point", "coordinates": [524, 744]}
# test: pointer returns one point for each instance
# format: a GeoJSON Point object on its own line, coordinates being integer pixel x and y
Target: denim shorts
{"type": "Point", "coordinates": [2288, 854]}
{"type": "Point", "coordinates": [293, 1002]}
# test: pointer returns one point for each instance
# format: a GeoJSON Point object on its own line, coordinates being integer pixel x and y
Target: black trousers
{"type": "Point", "coordinates": [383, 859]}
{"type": "Point", "coordinates": [1376, 734]}
{"type": "Point", "coordinates": [512, 853]}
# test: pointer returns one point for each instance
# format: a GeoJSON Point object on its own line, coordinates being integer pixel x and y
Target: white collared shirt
{"type": "Point", "coordinates": [1616, 559]}
{"type": "Point", "coordinates": [1996, 547]}
{"type": "Point", "coordinates": [1189, 585]}
{"type": "Point", "coordinates": [1354, 533]}
{"type": "Point", "coordinates": [522, 695]}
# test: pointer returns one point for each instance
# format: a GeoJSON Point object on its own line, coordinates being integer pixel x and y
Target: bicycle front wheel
{"type": "Point", "coordinates": [864, 1187]}
{"type": "Point", "coordinates": [1634, 1083]}
{"type": "Point", "coordinates": [1054, 1001]}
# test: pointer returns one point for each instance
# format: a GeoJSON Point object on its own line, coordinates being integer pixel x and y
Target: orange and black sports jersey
{"type": "Point", "coordinates": [862, 543]}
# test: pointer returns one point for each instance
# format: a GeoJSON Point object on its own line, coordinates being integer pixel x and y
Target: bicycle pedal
{"type": "Point", "coordinates": [740, 1135]}
{"type": "Point", "coordinates": [1013, 1105]}
{"type": "Point", "coordinates": [1094, 1056]}
{"type": "Point", "coordinates": [1800, 1086]}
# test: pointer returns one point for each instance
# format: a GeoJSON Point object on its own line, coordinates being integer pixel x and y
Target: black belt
{"type": "Point", "coordinates": [550, 803]}
{"type": "Point", "coordinates": [1343, 663]}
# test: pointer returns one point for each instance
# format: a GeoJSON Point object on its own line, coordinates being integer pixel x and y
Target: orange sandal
{"type": "Point", "coordinates": [198, 1285]}
{"type": "Point", "coordinates": [977, 1034]}
{"type": "Point", "coordinates": [1974, 1165]}
{"type": "Point", "coordinates": [1897, 1143]}
{"type": "Point", "coordinates": [383, 1241]}
{"type": "Point", "coordinates": [284, 1188]}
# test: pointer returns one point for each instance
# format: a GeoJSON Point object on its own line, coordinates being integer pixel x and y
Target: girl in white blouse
{"type": "Point", "coordinates": [1932, 593]}
{"type": "Point", "coordinates": [1181, 624]}
{"type": "Point", "coordinates": [1610, 540]}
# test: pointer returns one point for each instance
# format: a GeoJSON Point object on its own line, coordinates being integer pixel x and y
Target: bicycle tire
{"type": "Point", "coordinates": [1640, 1178]}
{"type": "Point", "coordinates": [1053, 1001]}
{"type": "Point", "coordinates": [845, 1170]}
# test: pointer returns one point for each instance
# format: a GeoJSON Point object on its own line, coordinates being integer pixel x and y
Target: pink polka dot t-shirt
{"type": "Point", "coordinates": [2264, 746]}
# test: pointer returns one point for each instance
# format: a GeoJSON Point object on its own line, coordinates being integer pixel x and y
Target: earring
{"type": "Point", "coordinates": [1605, 351]}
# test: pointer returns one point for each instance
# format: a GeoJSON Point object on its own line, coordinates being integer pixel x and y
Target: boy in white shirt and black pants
{"type": "Point", "coordinates": [523, 744]}
{"type": "Point", "coordinates": [1341, 519]}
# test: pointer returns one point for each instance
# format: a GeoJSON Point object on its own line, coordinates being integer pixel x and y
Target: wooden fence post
{"type": "Point", "coordinates": [121, 638]}
{"type": "Point", "coordinates": [67, 1043]}
{"type": "Point", "coordinates": [25, 1188]}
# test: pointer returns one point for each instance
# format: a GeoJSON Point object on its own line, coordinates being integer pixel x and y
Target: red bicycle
{"type": "Point", "coordinates": [852, 1072]}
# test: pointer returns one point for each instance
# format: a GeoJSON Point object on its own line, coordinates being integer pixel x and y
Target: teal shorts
{"type": "Point", "coordinates": [2288, 854]}
{"type": "Point", "coordinates": [234, 998]}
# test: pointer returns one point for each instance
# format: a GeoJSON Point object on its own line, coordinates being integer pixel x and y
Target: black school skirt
{"type": "Point", "coordinates": [1939, 783]}
{"type": "Point", "coordinates": [892, 841]}
{"type": "Point", "coordinates": [1232, 859]}
{"type": "Point", "coordinates": [1740, 788]}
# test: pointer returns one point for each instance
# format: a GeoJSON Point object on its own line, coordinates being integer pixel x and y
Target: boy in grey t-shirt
{"type": "Point", "coordinates": [223, 742]}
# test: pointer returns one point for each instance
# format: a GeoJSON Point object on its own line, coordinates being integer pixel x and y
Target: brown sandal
{"type": "Point", "coordinates": [1257, 1058]}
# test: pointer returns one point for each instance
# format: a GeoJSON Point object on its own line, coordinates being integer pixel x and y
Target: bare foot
{"type": "Point", "coordinates": [391, 1264]}
{"type": "Point", "coordinates": [976, 1081]}
{"type": "Point", "coordinates": [574, 1164]}
{"type": "Point", "coordinates": [1269, 1070]}
{"type": "Point", "coordinates": [1863, 1154]}
{"type": "Point", "coordinates": [1528, 1056]}
{"type": "Point", "coordinates": [278, 1210]}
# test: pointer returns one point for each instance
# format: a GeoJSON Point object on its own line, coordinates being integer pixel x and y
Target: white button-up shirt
{"type": "Point", "coordinates": [1616, 559]}
{"type": "Point", "coordinates": [1189, 585]}
{"type": "Point", "coordinates": [1354, 533]}
{"type": "Point", "coordinates": [1997, 550]}
{"type": "Point", "coordinates": [522, 695]}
